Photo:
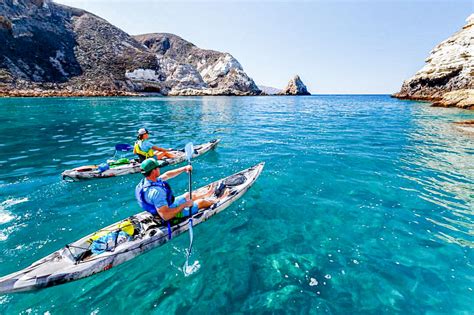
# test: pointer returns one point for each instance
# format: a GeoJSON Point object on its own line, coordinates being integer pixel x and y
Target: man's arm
{"type": "Point", "coordinates": [168, 213]}
{"type": "Point", "coordinates": [176, 172]}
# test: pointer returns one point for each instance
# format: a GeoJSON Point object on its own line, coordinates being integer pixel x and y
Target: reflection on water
{"type": "Point", "coordinates": [217, 110]}
{"type": "Point", "coordinates": [440, 159]}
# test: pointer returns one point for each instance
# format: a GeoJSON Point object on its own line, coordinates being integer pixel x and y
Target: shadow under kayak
{"type": "Point", "coordinates": [133, 166]}
{"type": "Point", "coordinates": [77, 260]}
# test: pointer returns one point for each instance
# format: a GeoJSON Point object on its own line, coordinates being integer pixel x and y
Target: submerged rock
{"type": "Point", "coordinates": [466, 122]}
{"type": "Point", "coordinates": [467, 126]}
{"type": "Point", "coordinates": [295, 87]}
{"type": "Point", "coordinates": [449, 67]}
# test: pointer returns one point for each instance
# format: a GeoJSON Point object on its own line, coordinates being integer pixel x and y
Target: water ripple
{"type": "Point", "coordinates": [441, 163]}
{"type": "Point", "coordinates": [366, 203]}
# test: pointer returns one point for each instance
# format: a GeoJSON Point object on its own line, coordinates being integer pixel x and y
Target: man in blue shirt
{"type": "Point", "coordinates": [154, 194]}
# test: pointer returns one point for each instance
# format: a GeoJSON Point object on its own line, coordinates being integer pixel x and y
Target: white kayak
{"type": "Point", "coordinates": [133, 165]}
{"type": "Point", "coordinates": [126, 239]}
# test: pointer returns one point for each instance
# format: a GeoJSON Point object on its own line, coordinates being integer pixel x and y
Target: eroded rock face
{"type": "Point", "coordinates": [460, 98]}
{"type": "Point", "coordinates": [105, 54]}
{"type": "Point", "coordinates": [37, 42]}
{"type": "Point", "coordinates": [189, 69]}
{"type": "Point", "coordinates": [449, 67]}
{"type": "Point", "coordinates": [55, 47]}
{"type": "Point", "coordinates": [49, 47]}
{"type": "Point", "coordinates": [295, 87]}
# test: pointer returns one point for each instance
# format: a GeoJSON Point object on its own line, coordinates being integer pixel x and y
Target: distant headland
{"type": "Point", "coordinates": [50, 49]}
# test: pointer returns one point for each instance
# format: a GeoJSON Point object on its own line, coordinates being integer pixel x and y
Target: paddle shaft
{"type": "Point", "coordinates": [189, 154]}
{"type": "Point", "coordinates": [190, 216]}
{"type": "Point", "coordinates": [190, 188]}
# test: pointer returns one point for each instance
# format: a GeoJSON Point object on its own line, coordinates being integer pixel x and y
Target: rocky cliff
{"type": "Point", "coordinates": [463, 98]}
{"type": "Point", "coordinates": [295, 87]}
{"type": "Point", "coordinates": [37, 43]}
{"type": "Point", "coordinates": [449, 67]}
{"type": "Point", "coordinates": [52, 49]}
{"type": "Point", "coordinates": [189, 70]}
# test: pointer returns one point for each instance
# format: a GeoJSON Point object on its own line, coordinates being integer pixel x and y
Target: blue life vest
{"type": "Point", "coordinates": [143, 185]}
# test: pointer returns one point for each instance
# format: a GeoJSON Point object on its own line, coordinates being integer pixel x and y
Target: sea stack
{"type": "Point", "coordinates": [447, 77]}
{"type": "Point", "coordinates": [295, 87]}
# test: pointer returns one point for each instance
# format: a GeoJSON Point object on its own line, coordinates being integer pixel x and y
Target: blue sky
{"type": "Point", "coordinates": [335, 46]}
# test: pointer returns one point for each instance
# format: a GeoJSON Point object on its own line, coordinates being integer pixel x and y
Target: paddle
{"type": "Point", "coordinates": [123, 147]}
{"type": "Point", "coordinates": [189, 151]}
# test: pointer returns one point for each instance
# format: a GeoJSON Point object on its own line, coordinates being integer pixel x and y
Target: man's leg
{"type": "Point", "coordinates": [204, 203]}
{"type": "Point", "coordinates": [169, 155]}
{"type": "Point", "coordinates": [205, 195]}
{"type": "Point", "coordinates": [161, 155]}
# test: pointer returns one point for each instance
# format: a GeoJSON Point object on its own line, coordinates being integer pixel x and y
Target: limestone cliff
{"type": "Point", "coordinates": [460, 98]}
{"type": "Point", "coordinates": [189, 70]}
{"type": "Point", "coordinates": [449, 67]}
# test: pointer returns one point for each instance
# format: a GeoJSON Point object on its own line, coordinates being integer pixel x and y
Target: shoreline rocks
{"type": "Point", "coordinates": [447, 77]}
{"type": "Point", "coordinates": [63, 93]}
{"type": "Point", "coordinates": [461, 98]}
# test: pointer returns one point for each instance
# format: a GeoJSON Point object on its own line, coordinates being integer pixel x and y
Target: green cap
{"type": "Point", "coordinates": [150, 164]}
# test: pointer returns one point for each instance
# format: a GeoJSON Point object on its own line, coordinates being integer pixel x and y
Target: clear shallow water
{"type": "Point", "coordinates": [366, 205]}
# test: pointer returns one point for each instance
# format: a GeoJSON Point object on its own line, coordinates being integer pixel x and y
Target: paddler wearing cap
{"type": "Point", "coordinates": [154, 194]}
{"type": "Point", "coordinates": [145, 149]}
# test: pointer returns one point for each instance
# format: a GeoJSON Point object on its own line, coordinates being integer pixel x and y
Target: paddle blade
{"type": "Point", "coordinates": [123, 147]}
{"type": "Point", "coordinates": [187, 268]}
{"type": "Point", "coordinates": [189, 150]}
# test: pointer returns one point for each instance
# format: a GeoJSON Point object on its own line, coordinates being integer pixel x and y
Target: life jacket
{"type": "Point", "coordinates": [144, 185]}
{"type": "Point", "coordinates": [139, 151]}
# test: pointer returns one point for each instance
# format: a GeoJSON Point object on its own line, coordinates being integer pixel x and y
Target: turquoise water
{"type": "Point", "coordinates": [365, 205]}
